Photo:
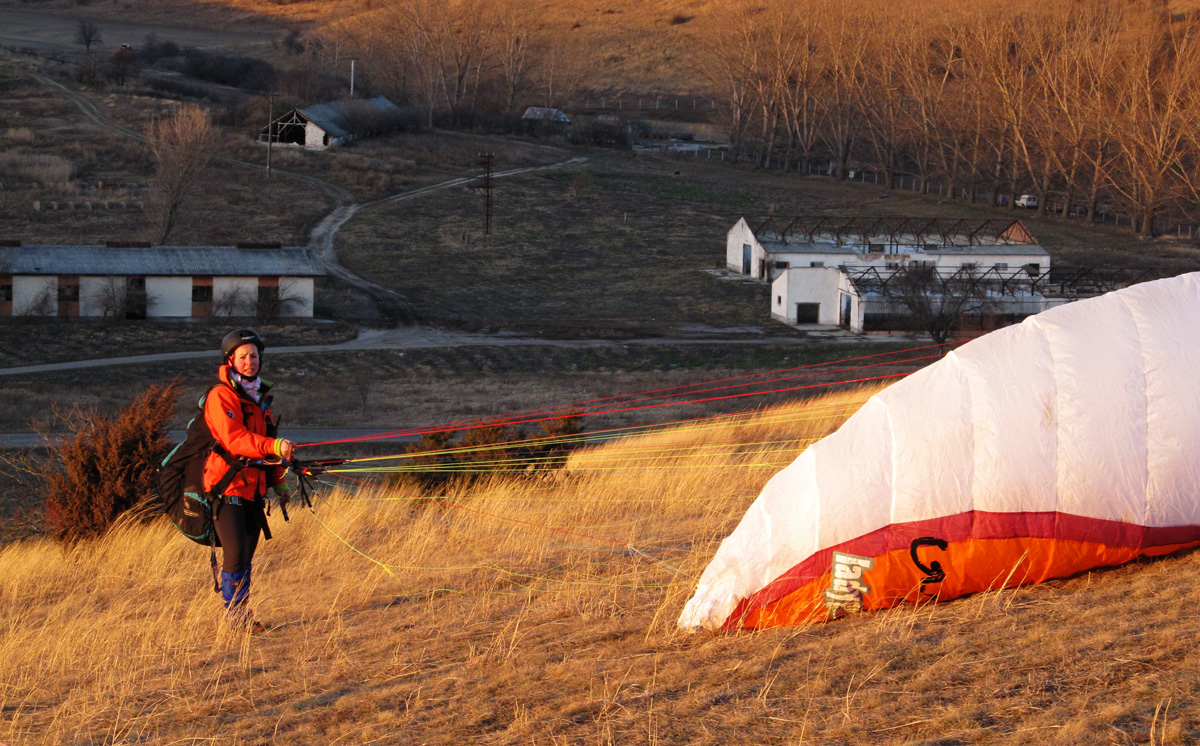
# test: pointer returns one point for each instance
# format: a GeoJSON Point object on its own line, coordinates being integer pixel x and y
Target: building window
{"type": "Point", "coordinates": [970, 266]}
{"type": "Point", "coordinates": [1001, 266]}
{"type": "Point", "coordinates": [68, 293]}
{"type": "Point", "coordinates": [6, 293]}
{"type": "Point", "coordinates": [779, 300]}
{"type": "Point", "coordinates": [202, 294]}
{"type": "Point", "coordinates": [816, 264]}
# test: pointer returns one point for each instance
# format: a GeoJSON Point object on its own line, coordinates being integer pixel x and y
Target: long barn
{"type": "Point", "coordinates": [161, 282]}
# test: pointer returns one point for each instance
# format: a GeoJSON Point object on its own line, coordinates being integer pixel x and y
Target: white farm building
{"type": "Point", "coordinates": [164, 282]}
{"type": "Point", "coordinates": [831, 270]}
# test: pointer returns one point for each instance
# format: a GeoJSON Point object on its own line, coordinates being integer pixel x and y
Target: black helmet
{"type": "Point", "coordinates": [236, 339]}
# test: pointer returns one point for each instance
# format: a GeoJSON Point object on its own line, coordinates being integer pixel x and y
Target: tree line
{"type": "Point", "coordinates": [461, 62]}
{"type": "Point", "coordinates": [1086, 104]}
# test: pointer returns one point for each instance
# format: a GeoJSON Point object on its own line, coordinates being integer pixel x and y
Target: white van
{"type": "Point", "coordinates": [1029, 201]}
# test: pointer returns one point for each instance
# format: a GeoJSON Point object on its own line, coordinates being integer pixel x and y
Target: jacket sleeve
{"type": "Point", "coordinates": [223, 413]}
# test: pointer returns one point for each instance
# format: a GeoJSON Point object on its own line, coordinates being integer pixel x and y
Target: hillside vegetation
{"type": "Point", "coordinates": [543, 611]}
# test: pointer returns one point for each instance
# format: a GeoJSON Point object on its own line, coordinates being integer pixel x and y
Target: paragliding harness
{"type": "Point", "coordinates": [191, 508]}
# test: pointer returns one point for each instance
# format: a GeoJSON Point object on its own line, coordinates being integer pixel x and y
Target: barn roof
{"type": "Point", "coordinates": [159, 261]}
{"type": "Point", "coordinates": [351, 116]}
{"type": "Point", "coordinates": [543, 114]}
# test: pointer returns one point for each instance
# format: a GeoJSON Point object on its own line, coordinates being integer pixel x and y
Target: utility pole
{"type": "Point", "coordinates": [352, 59]}
{"type": "Point", "coordinates": [270, 124]}
{"type": "Point", "coordinates": [485, 160]}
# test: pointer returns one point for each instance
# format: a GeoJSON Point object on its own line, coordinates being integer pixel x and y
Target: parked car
{"type": "Point", "coordinates": [1029, 201]}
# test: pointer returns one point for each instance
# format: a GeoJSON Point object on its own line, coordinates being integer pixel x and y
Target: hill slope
{"type": "Point", "coordinates": [542, 611]}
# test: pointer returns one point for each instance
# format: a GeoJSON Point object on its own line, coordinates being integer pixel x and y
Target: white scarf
{"type": "Point", "coordinates": [250, 386]}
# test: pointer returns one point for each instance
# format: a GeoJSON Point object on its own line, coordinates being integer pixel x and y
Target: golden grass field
{"type": "Point", "coordinates": [542, 612]}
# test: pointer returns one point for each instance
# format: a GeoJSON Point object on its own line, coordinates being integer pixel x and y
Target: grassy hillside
{"type": "Point", "coordinates": [542, 612]}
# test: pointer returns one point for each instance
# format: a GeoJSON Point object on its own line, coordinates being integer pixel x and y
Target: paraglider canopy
{"type": "Point", "coordinates": [1063, 443]}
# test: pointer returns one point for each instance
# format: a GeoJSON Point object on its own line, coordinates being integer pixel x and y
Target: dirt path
{"type": "Point", "coordinates": [344, 208]}
{"type": "Point", "coordinates": [419, 337]}
{"type": "Point", "coordinates": [322, 238]}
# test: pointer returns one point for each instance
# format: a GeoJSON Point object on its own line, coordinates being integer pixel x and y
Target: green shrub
{"type": "Point", "coordinates": [107, 468]}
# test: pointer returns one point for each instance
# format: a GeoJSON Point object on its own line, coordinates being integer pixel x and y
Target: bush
{"type": "Point", "coordinates": [108, 468]}
{"type": "Point", "coordinates": [485, 450]}
{"type": "Point", "coordinates": [238, 72]}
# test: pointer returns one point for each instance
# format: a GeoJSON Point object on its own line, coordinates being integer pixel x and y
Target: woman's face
{"type": "Point", "coordinates": [245, 360]}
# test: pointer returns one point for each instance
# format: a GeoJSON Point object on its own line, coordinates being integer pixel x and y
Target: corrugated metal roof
{"type": "Point", "coordinates": [778, 247]}
{"type": "Point", "coordinates": [159, 261]}
{"type": "Point", "coordinates": [352, 116]}
{"type": "Point", "coordinates": [543, 114]}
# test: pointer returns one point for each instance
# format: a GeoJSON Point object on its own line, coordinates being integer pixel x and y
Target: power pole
{"type": "Point", "coordinates": [352, 59]}
{"type": "Point", "coordinates": [270, 123]}
{"type": "Point", "coordinates": [485, 160]}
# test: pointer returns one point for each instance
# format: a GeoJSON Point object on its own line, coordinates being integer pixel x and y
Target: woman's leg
{"type": "Point", "coordinates": [237, 528]}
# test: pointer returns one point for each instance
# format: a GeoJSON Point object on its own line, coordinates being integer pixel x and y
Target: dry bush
{"type": "Point", "coordinates": [18, 136]}
{"type": "Point", "coordinates": [183, 146]}
{"type": "Point", "coordinates": [46, 171]}
{"type": "Point", "coordinates": [108, 467]}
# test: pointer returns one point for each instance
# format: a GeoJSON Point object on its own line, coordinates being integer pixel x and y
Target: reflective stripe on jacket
{"type": "Point", "coordinates": [240, 424]}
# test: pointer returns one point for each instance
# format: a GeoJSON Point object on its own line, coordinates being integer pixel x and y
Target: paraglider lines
{"type": "Point", "coordinates": [573, 409]}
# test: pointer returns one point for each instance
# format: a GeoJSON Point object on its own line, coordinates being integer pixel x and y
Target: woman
{"type": "Point", "coordinates": [238, 413]}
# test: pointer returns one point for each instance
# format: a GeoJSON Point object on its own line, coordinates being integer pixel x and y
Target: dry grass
{"type": "Point", "coordinates": [542, 612]}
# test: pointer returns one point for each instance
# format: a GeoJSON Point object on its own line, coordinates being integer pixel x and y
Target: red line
{"type": "Point", "coordinates": [569, 409]}
{"type": "Point", "coordinates": [655, 406]}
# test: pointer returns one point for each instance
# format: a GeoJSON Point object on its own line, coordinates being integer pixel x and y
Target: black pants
{"type": "Point", "coordinates": [238, 525]}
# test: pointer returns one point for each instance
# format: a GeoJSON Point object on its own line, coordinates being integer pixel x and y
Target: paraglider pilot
{"type": "Point", "coordinates": [238, 413]}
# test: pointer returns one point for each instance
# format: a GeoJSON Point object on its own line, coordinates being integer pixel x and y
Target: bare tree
{"type": "Point", "coordinates": [726, 58]}
{"type": "Point", "coordinates": [846, 41]}
{"type": "Point", "coordinates": [936, 301]}
{"type": "Point", "coordinates": [278, 301]}
{"type": "Point", "coordinates": [120, 298]}
{"type": "Point", "coordinates": [1154, 118]}
{"type": "Point", "coordinates": [182, 146]}
{"type": "Point", "coordinates": [564, 63]}
{"type": "Point", "coordinates": [514, 36]}
{"type": "Point", "coordinates": [233, 302]}
{"type": "Point", "coordinates": [88, 33]}
{"type": "Point", "coordinates": [41, 303]}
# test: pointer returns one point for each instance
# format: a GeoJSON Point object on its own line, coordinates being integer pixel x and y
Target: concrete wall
{"type": "Point", "coordinates": [947, 259]}
{"type": "Point", "coordinates": [314, 136]}
{"type": "Point", "coordinates": [300, 288]}
{"type": "Point", "coordinates": [93, 292]}
{"type": "Point", "coordinates": [166, 297]}
{"type": "Point", "coordinates": [34, 295]}
{"type": "Point", "coordinates": [241, 292]}
{"type": "Point", "coordinates": [739, 235]}
{"type": "Point", "coordinates": [808, 285]}
{"type": "Point", "coordinates": [169, 296]}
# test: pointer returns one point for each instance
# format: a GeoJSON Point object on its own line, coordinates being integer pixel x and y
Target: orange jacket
{"type": "Point", "coordinates": [240, 424]}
